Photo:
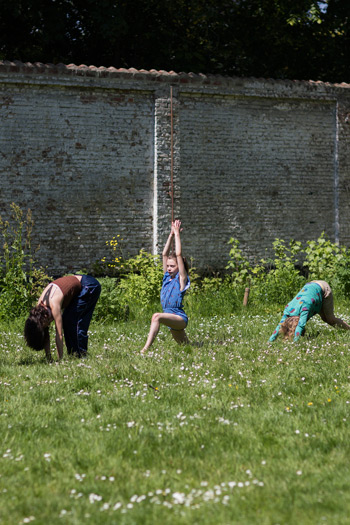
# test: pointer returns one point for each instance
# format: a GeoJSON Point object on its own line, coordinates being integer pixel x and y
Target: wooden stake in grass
{"type": "Point", "coordinates": [246, 296]}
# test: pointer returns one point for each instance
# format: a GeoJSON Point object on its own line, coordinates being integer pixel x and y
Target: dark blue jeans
{"type": "Point", "coordinates": [77, 316]}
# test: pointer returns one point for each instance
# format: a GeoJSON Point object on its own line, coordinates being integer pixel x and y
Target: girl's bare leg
{"type": "Point", "coordinates": [153, 331]}
{"type": "Point", "coordinates": [180, 337]}
{"type": "Point", "coordinates": [170, 320]}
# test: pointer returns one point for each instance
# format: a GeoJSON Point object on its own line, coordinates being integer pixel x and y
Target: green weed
{"type": "Point", "coordinates": [20, 280]}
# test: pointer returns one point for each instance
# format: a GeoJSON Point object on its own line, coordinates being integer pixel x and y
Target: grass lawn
{"type": "Point", "coordinates": [236, 431]}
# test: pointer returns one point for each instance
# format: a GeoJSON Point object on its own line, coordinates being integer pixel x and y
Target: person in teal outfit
{"type": "Point", "coordinates": [174, 286]}
{"type": "Point", "coordinates": [315, 297]}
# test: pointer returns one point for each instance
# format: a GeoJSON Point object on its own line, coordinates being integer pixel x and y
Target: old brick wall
{"type": "Point", "coordinates": [88, 150]}
{"type": "Point", "coordinates": [342, 161]}
{"type": "Point", "coordinates": [263, 169]}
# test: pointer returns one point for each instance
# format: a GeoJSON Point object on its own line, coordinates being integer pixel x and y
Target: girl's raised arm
{"type": "Point", "coordinates": [178, 251]}
{"type": "Point", "coordinates": [166, 248]}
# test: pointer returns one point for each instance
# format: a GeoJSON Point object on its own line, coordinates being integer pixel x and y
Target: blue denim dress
{"type": "Point", "coordinates": [171, 297]}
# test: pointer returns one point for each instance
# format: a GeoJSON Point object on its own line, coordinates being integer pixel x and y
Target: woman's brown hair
{"type": "Point", "coordinates": [35, 333]}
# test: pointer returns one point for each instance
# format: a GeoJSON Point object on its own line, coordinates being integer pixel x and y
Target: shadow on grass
{"type": "Point", "coordinates": [25, 361]}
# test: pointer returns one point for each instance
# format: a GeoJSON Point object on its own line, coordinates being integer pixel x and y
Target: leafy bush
{"type": "Point", "coordinates": [143, 278]}
{"type": "Point", "coordinates": [282, 279]}
{"type": "Point", "coordinates": [241, 270]}
{"type": "Point", "coordinates": [322, 258]}
{"type": "Point", "coordinates": [330, 262]}
{"type": "Point", "coordinates": [112, 305]}
{"type": "Point", "coordinates": [275, 280]}
{"type": "Point", "coordinates": [270, 280]}
{"type": "Point", "coordinates": [341, 279]}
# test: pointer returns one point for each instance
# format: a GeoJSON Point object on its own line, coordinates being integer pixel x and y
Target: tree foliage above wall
{"type": "Point", "coordinates": [295, 39]}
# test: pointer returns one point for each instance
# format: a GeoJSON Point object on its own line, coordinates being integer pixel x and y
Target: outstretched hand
{"type": "Point", "coordinates": [176, 226]}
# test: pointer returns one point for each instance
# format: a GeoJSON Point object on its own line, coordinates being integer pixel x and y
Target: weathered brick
{"type": "Point", "coordinates": [88, 150]}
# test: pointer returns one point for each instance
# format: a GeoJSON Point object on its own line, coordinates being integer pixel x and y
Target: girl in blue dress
{"type": "Point", "coordinates": [175, 284]}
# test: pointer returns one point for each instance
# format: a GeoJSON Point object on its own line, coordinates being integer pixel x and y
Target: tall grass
{"type": "Point", "coordinates": [229, 430]}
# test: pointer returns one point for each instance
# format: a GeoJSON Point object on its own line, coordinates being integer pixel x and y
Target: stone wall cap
{"type": "Point", "coordinates": [28, 68]}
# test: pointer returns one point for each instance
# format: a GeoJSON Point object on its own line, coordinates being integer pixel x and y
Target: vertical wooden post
{"type": "Point", "coordinates": [172, 160]}
{"type": "Point", "coordinates": [171, 154]}
{"type": "Point", "coordinates": [246, 296]}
